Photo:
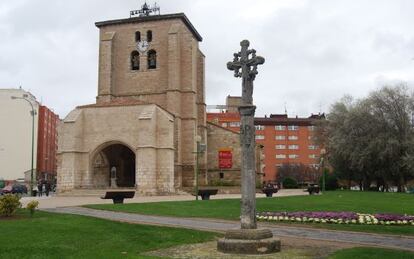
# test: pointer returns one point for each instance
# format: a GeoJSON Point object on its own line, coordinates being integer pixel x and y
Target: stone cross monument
{"type": "Point", "coordinates": [248, 239]}
{"type": "Point", "coordinates": [246, 68]}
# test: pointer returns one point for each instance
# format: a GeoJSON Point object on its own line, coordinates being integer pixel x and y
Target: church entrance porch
{"type": "Point", "coordinates": [114, 166]}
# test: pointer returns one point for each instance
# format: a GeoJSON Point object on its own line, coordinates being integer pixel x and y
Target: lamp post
{"type": "Point", "coordinates": [32, 113]}
{"type": "Point", "coordinates": [201, 148]}
{"type": "Point", "coordinates": [323, 152]}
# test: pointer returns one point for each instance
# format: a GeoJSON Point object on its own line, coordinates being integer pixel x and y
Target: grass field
{"type": "Point", "coordinates": [365, 202]}
{"type": "Point", "coordinates": [371, 253]}
{"type": "Point", "coordinates": [48, 235]}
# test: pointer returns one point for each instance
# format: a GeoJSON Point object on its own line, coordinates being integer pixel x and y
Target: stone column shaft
{"type": "Point", "coordinates": [248, 174]}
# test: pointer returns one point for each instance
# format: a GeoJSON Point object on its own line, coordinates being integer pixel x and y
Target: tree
{"type": "Point", "coordinates": [372, 139]}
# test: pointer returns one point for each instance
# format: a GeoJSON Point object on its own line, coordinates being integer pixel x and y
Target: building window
{"type": "Point", "coordinates": [137, 36]}
{"type": "Point", "coordinates": [312, 147]}
{"type": "Point", "coordinates": [313, 156]}
{"type": "Point", "coordinates": [280, 127]}
{"type": "Point", "coordinates": [280, 147]}
{"type": "Point", "coordinates": [135, 60]}
{"type": "Point", "coordinates": [260, 137]}
{"type": "Point", "coordinates": [279, 165]}
{"type": "Point", "coordinates": [280, 156]}
{"type": "Point", "coordinates": [293, 127]}
{"type": "Point", "coordinates": [293, 138]}
{"type": "Point", "coordinates": [280, 137]}
{"type": "Point", "coordinates": [293, 156]}
{"type": "Point", "coordinates": [311, 128]}
{"type": "Point", "coordinates": [152, 59]}
{"type": "Point", "coordinates": [235, 124]}
{"type": "Point", "coordinates": [149, 36]}
{"type": "Point", "coordinates": [293, 146]}
{"type": "Point", "coordinates": [259, 127]}
{"type": "Point", "coordinates": [224, 124]}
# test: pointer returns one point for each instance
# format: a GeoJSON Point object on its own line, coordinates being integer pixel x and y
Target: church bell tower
{"type": "Point", "coordinates": [155, 59]}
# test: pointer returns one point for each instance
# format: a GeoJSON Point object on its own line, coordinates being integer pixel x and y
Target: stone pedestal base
{"type": "Point", "coordinates": [249, 241]}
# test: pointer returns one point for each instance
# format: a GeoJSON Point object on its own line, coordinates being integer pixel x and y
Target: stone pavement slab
{"type": "Point", "coordinates": [395, 242]}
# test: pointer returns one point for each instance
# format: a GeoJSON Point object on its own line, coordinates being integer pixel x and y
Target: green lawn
{"type": "Point", "coordinates": [371, 253]}
{"type": "Point", "coordinates": [366, 202]}
{"type": "Point", "coordinates": [49, 235]}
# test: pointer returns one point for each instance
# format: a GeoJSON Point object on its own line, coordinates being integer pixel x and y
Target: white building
{"type": "Point", "coordinates": [16, 134]}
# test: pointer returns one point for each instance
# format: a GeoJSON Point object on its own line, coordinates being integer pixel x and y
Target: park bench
{"type": "Point", "coordinates": [119, 196]}
{"type": "Point", "coordinates": [205, 193]}
{"type": "Point", "coordinates": [269, 190]}
{"type": "Point", "coordinates": [313, 189]}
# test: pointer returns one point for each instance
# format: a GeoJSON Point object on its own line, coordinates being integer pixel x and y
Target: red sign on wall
{"type": "Point", "coordinates": [225, 158]}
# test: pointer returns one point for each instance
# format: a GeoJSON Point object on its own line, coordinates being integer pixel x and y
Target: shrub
{"type": "Point", "coordinates": [9, 203]}
{"type": "Point", "coordinates": [331, 181]}
{"type": "Point", "coordinates": [32, 206]}
{"type": "Point", "coordinates": [289, 183]}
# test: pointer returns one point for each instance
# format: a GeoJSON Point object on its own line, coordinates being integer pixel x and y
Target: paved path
{"type": "Point", "coordinates": [65, 201]}
{"type": "Point", "coordinates": [396, 242]}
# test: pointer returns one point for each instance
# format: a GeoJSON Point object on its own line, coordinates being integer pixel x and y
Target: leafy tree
{"type": "Point", "coordinates": [372, 139]}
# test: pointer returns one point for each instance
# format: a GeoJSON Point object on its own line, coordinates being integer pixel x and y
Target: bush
{"type": "Point", "coordinates": [32, 206]}
{"type": "Point", "coordinates": [331, 181]}
{"type": "Point", "coordinates": [9, 203]}
{"type": "Point", "coordinates": [289, 183]}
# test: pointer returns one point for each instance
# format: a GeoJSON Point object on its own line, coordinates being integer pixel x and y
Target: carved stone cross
{"type": "Point", "coordinates": [248, 239]}
{"type": "Point", "coordinates": [248, 67]}
{"type": "Point", "coordinates": [245, 65]}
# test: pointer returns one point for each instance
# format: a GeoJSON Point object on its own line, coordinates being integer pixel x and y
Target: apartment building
{"type": "Point", "coordinates": [287, 141]}
{"type": "Point", "coordinates": [16, 136]}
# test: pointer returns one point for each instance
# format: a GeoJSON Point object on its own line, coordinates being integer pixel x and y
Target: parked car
{"type": "Point", "coordinates": [6, 190]}
{"type": "Point", "coordinates": [19, 188]}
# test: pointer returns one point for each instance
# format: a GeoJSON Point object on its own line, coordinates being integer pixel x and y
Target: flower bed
{"type": "Point", "coordinates": [338, 218]}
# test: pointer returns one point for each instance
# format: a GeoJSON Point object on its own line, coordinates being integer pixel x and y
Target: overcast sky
{"type": "Point", "coordinates": [315, 51]}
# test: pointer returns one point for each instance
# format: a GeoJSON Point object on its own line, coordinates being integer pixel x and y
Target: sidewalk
{"type": "Point", "coordinates": [65, 201]}
{"type": "Point", "coordinates": [388, 241]}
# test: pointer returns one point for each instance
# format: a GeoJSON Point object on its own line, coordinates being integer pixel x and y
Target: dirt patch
{"type": "Point", "coordinates": [291, 248]}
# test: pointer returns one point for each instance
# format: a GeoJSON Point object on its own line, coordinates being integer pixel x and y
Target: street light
{"type": "Point", "coordinates": [32, 113]}
{"type": "Point", "coordinates": [323, 152]}
{"type": "Point", "coordinates": [201, 148]}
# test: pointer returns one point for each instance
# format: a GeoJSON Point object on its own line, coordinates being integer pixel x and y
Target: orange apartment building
{"type": "Point", "coordinates": [47, 144]}
{"type": "Point", "coordinates": [285, 140]}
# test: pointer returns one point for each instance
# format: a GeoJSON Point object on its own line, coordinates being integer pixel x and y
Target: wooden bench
{"type": "Point", "coordinates": [205, 193]}
{"type": "Point", "coordinates": [269, 190]}
{"type": "Point", "coordinates": [313, 189]}
{"type": "Point", "coordinates": [119, 196]}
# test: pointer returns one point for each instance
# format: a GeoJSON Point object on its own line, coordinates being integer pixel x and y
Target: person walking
{"type": "Point", "coordinates": [39, 189]}
{"type": "Point", "coordinates": [47, 188]}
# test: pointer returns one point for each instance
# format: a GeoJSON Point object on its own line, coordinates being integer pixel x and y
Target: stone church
{"type": "Point", "coordinates": [149, 114]}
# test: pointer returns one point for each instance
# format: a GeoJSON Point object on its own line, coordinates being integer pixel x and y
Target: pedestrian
{"type": "Point", "coordinates": [40, 188]}
{"type": "Point", "coordinates": [44, 186]}
{"type": "Point", "coordinates": [47, 188]}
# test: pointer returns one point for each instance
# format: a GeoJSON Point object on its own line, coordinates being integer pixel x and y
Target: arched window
{"type": "Point", "coordinates": [135, 60]}
{"type": "Point", "coordinates": [149, 36]}
{"type": "Point", "coordinates": [152, 59]}
{"type": "Point", "coordinates": [137, 36]}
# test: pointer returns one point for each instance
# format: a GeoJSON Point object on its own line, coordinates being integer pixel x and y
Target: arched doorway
{"type": "Point", "coordinates": [115, 155]}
